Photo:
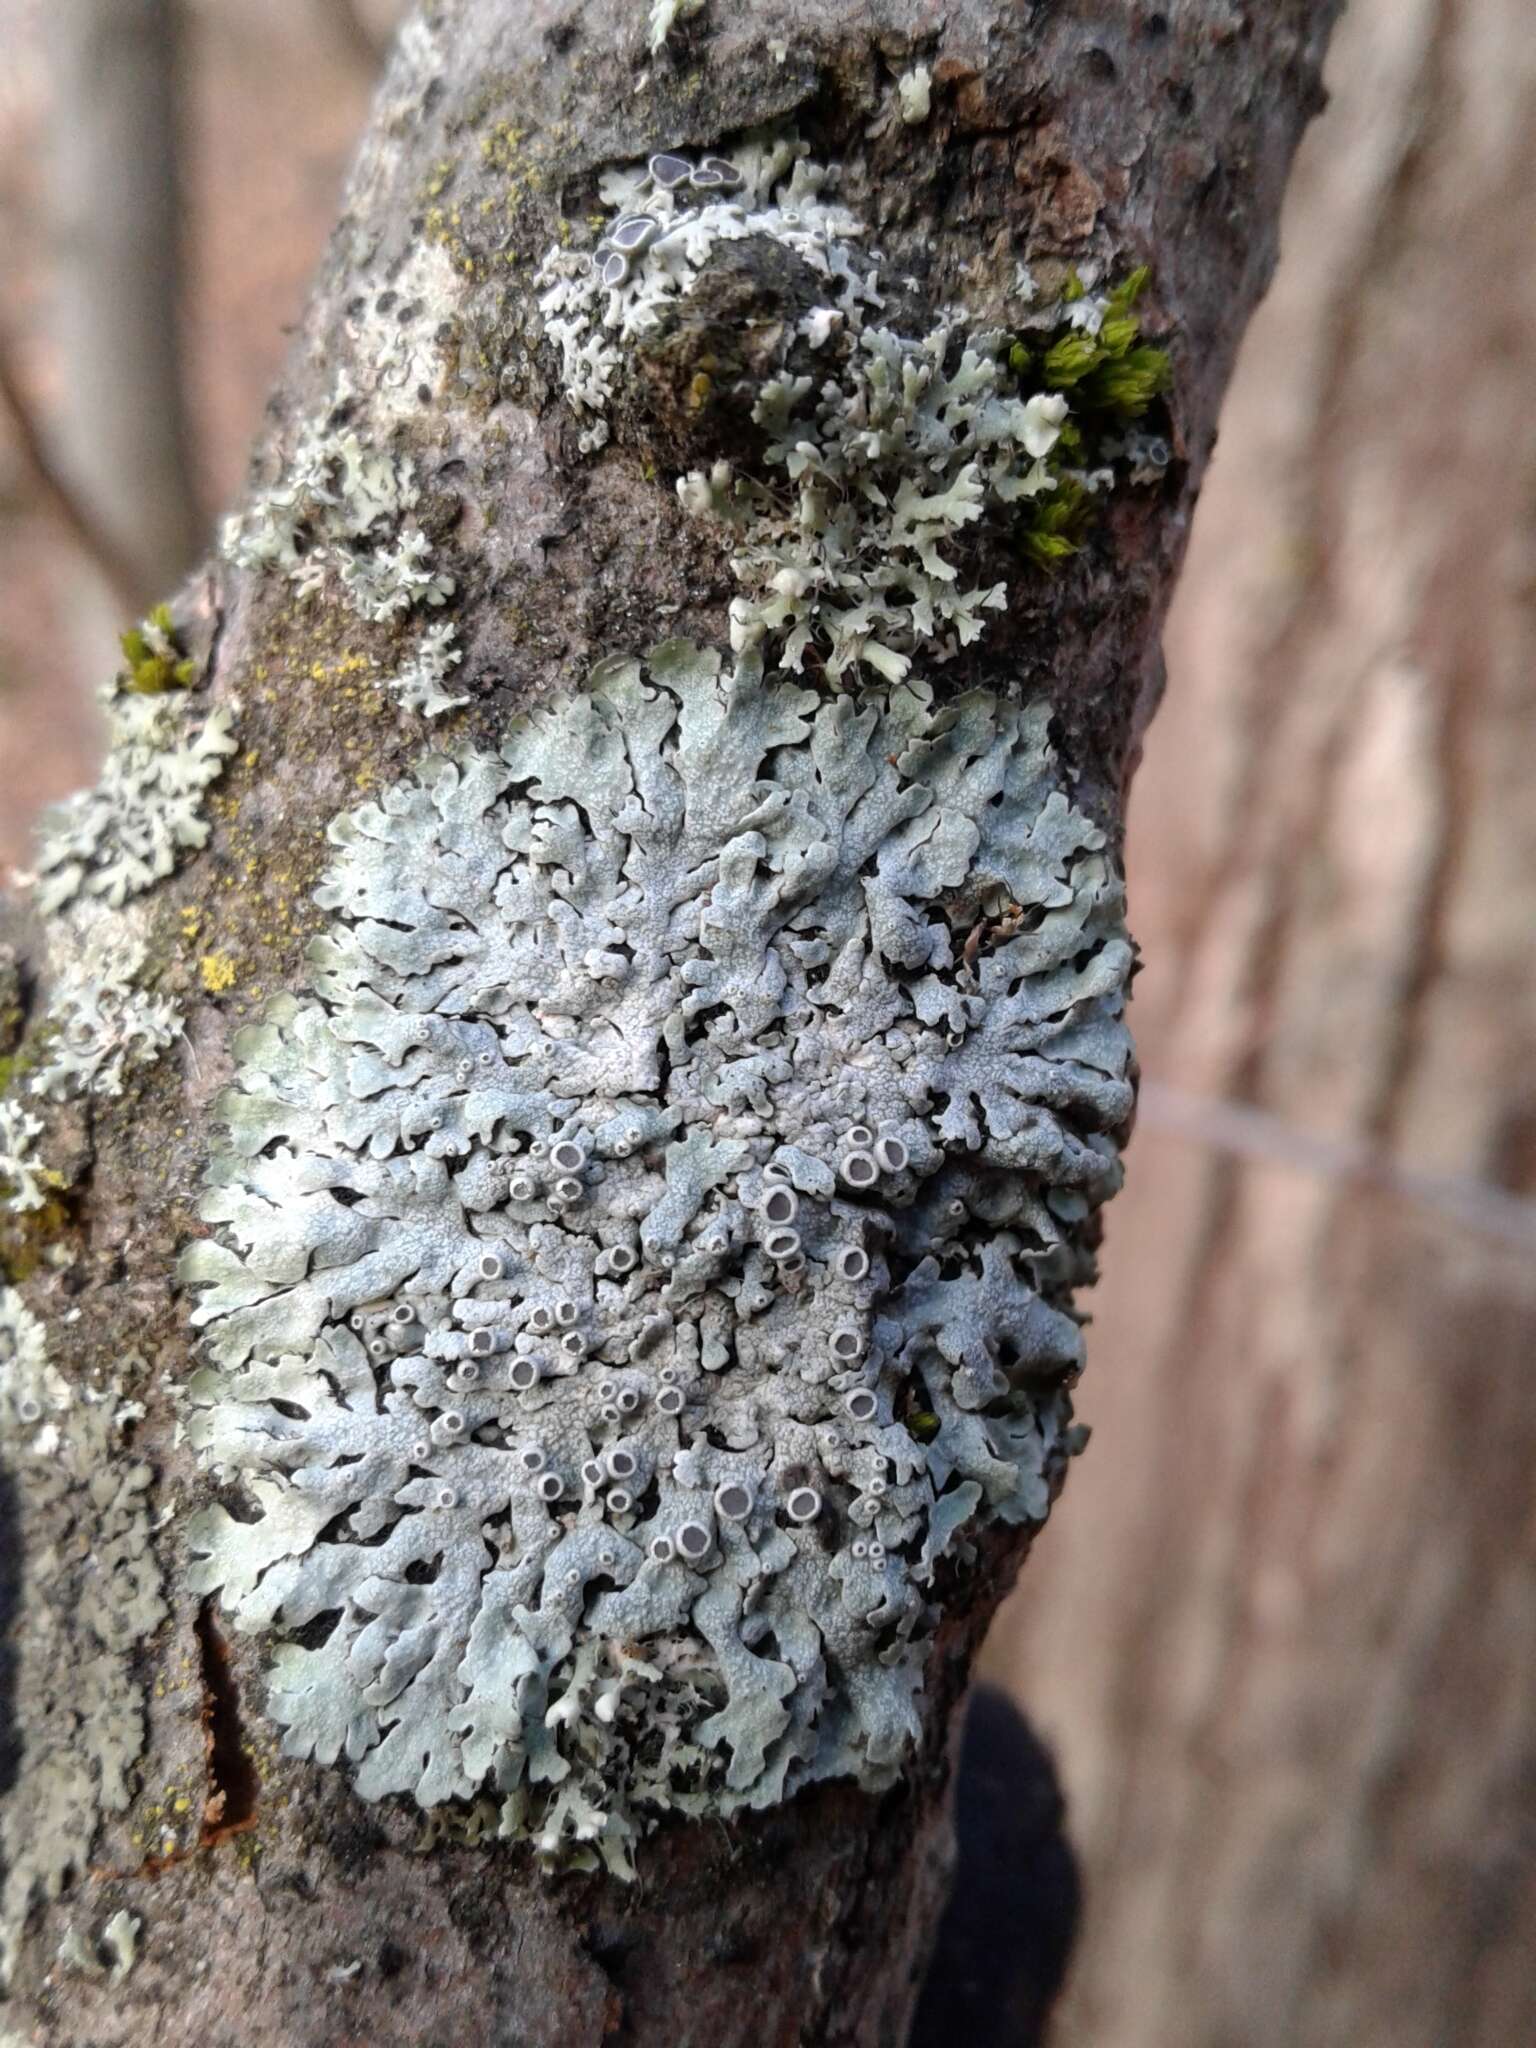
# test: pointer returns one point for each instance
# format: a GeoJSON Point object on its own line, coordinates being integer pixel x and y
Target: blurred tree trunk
{"type": "Point", "coordinates": [1299, 1730]}
{"type": "Point", "coordinates": [350, 23]}
{"type": "Point", "coordinates": [1152, 137]}
{"type": "Point", "coordinates": [120, 426]}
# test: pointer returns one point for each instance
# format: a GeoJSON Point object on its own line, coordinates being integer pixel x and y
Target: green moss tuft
{"type": "Point", "coordinates": [1113, 371]}
{"type": "Point", "coordinates": [1128, 384]}
{"type": "Point", "coordinates": [1058, 525]}
{"type": "Point", "coordinates": [1069, 360]}
{"type": "Point", "coordinates": [1114, 379]}
{"type": "Point", "coordinates": [155, 662]}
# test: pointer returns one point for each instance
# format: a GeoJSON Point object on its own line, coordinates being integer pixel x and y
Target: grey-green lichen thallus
{"type": "Point", "coordinates": [642, 1258]}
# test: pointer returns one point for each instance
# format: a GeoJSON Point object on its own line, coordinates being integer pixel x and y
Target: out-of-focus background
{"type": "Point", "coordinates": [1281, 1634]}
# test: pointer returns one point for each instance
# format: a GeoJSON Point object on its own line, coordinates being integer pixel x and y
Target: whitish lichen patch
{"type": "Point", "coordinates": [120, 1940]}
{"type": "Point", "coordinates": [883, 469]}
{"type": "Point", "coordinates": [667, 219]}
{"type": "Point", "coordinates": [88, 1594]}
{"type": "Point", "coordinates": [22, 1175]}
{"type": "Point", "coordinates": [111, 1955]}
{"type": "Point", "coordinates": [914, 91]}
{"type": "Point", "coordinates": [97, 852]}
{"type": "Point", "coordinates": [652, 1243]}
{"type": "Point", "coordinates": [420, 683]}
{"type": "Point", "coordinates": [101, 1023]}
{"type": "Point", "coordinates": [345, 511]}
{"type": "Point", "coordinates": [341, 508]}
{"type": "Point", "coordinates": [113, 841]}
{"type": "Point", "coordinates": [904, 475]}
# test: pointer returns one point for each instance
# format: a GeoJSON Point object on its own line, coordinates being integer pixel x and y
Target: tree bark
{"type": "Point", "coordinates": [277, 1907]}
{"type": "Point", "coordinates": [1297, 1728]}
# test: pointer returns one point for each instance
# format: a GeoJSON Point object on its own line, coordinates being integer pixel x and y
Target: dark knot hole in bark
{"type": "Point", "coordinates": [233, 1781]}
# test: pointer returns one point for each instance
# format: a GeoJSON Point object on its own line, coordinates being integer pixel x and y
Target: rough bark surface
{"type": "Point", "coordinates": [1297, 1727]}
{"type": "Point", "coordinates": [286, 1910]}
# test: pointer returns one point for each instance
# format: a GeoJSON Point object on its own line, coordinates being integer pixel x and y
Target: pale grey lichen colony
{"type": "Point", "coordinates": [643, 1259]}
{"type": "Point", "coordinates": [87, 1597]}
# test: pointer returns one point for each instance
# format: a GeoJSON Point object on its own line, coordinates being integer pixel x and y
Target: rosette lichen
{"type": "Point", "coordinates": [652, 1241]}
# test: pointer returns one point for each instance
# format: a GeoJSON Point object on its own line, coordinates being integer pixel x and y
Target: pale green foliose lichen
{"type": "Point", "coordinates": [914, 91]}
{"type": "Point", "coordinates": [120, 1939]}
{"type": "Point", "coordinates": [102, 1022]}
{"type": "Point", "coordinates": [344, 510]}
{"type": "Point", "coordinates": [419, 683]}
{"type": "Point", "coordinates": [21, 1172]}
{"type": "Point", "coordinates": [116, 839]}
{"type": "Point", "coordinates": [341, 508]}
{"type": "Point", "coordinates": [118, 1942]}
{"type": "Point", "coordinates": [88, 1595]}
{"type": "Point", "coordinates": [96, 852]}
{"type": "Point", "coordinates": [781, 193]}
{"type": "Point", "coordinates": [878, 471]}
{"type": "Point", "coordinates": [651, 1243]}
{"type": "Point", "coordinates": [886, 467]}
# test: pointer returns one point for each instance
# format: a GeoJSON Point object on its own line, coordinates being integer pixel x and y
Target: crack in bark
{"type": "Point", "coordinates": [233, 1782]}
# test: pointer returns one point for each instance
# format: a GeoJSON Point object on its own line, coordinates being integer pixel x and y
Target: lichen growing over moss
{"type": "Point", "coordinates": [895, 475]}
{"type": "Point", "coordinates": [155, 661]}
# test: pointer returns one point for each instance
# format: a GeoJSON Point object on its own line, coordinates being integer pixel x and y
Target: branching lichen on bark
{"type": "Point", "coordinates": [89, 1594]}
{"type": "Point", "coordinates": [98, 853]}
{"type": "Point", "coordinates": [128, 831]}
{"type": "Point", "coordinates": [340, 509]}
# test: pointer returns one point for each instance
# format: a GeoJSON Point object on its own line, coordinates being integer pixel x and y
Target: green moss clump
{"type": "Point", "coordinates": [1112, 372]}
{"type": "Point", "coordinates": [1059, 525]}
{"type": "Point", "coordinates": [1129, 384]}
{"type": "Point", "coordinates": [1113, 379]}
{"type": "Point", "coordinates": [155, 662]}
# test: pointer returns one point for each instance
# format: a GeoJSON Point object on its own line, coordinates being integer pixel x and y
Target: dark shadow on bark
{"type": "Point", "coordinates": [1008, 1930]}
{"type": "Point", "coordinates": [10, 1614]}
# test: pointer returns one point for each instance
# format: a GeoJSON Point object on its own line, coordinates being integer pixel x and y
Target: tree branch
{"type": "Point", "coordinates": [57, 494]}
{"type": "Point", "coordinates": [466, 509]}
